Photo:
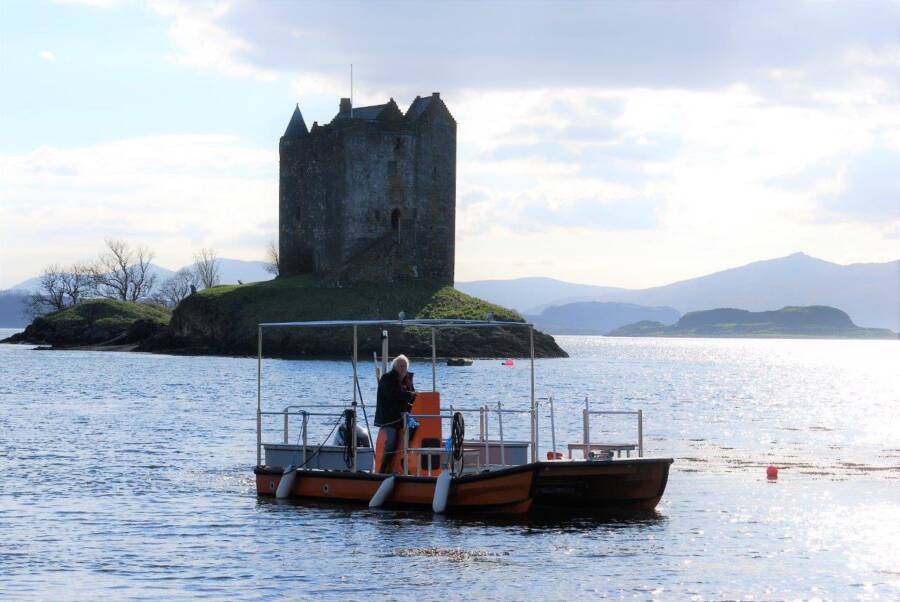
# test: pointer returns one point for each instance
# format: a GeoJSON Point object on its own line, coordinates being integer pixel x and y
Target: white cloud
{"type": "Point", "coordinates": [46, 55]}
{"type": "Point", "coordinates": [94, 3]}
{"type": "Point", "coordinates": [201, 42]}
{"type": "Point", "coordinates": [716, 192]}
{"type": "Point", "coordinates": [578, 131]}
{"type": "Point", "coordinates": [174, 193]}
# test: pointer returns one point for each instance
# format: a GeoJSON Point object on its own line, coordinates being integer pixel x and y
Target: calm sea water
{"type": "Point", "coordinates": [127, 475]}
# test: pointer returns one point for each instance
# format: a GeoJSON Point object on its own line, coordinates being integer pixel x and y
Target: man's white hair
{"type": "Point", "coordinates": [400, 358]}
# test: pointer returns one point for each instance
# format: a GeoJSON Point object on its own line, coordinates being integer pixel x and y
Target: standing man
{"type": "Point", "coordinates": [396, 394]}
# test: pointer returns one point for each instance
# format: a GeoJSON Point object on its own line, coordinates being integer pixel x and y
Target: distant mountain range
{"type": "Point", "coordinates": [532, 295]}
{"type": "Point", "coordinates": [594, 317]}
{"type": "Point", "coordinates": [12, 309]}
{"type": "Point", "coordinates": [230, 271]}
{"type": "Point", "coordinates": [868, 292]}
{"type": "Point", "coordinates": [802, 322]}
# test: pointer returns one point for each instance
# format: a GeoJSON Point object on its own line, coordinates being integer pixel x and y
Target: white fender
{"type": "Point", "coordinates": [287, 483]}
{"type": "Point", "coordinates": [383, 493]}
{"type": "Point", "coordinates": [441, 491]}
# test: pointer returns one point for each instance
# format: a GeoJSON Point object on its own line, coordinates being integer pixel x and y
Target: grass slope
{"type": "Point", "coordinates": [223, 319]}
{"type": "Point", "coordinates": [97, 321]}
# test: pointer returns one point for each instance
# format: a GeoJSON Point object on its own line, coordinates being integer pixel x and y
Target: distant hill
{"type": "Point", "coordinates": [593, 318]}
{"type": "Point", "coordinates": [230, 271]}
{"type": "Point", "coordinates": [533, 294]}
{"type": "Point", "coordinates": [868, 292]}
{"type": "Point", "coordinates": [33, 284]}
{"type": "Point", "coordinates": [12, 308]}
{"type": "Point", "coordinates": [806, 322]}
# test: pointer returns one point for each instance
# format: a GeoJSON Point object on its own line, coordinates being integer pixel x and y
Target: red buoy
{"type": "Point", "coordinates": [772, 473]}
{"type": "Point", "coordinates": [508, 362]}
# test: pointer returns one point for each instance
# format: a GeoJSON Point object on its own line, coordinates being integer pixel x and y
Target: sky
{"type": "Point", "coordinates": [620, 144]}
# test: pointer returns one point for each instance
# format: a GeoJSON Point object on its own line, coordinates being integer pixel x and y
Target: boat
{"type": "Point", "coordinates": [440, 470]}
{"type": "Point", "coordinates": [459, 361]}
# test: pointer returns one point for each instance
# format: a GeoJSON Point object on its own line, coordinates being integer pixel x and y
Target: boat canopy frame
{"type": "Point", "coordinates": [431, 323]}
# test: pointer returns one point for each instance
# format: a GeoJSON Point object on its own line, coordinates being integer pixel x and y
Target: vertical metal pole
{"type": "Point", "coordinates": [587, 432]}
{"type": "Point", "coordinates": [487, 436]}
{"type": "Point", "coordinates": [433, 362]}
{"type": "Point", "coordinates": [552, 425]}
{"type": "Point", "coordinates": [481, 423]}
{"type": "Point", "coordinates": [355, 351]}
{"type": "Point", "coordinates": [285, 426]}
{"type": "Point", "coordinates": [259, 395]}
{"type": "Point", "coordinates": [351, 432]}
{"type": "Point", "coordinates": [534, 436]}
{"type": "Point", "coordinates": [384, 351]}
{"type": "Point", "coordinates": [405, 460]}
{"type": "Point", "coordinates": [640, 433]}
{"type": "Point", "coordinates": [502, 444]}
{"type": "Point", "coordinates": [305, 426]}
{"type": "Point", "coordinates": [586, 422]}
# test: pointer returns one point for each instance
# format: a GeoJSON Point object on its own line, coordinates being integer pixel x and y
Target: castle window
{"type": "Point", "coordinates": [392, 168]}
{"type": "Point", "coordinates": [398, 143]}
{"type": "Point", "coordinates": [298, 214]}
{"type": "Point", "coordinates": [395, 219]}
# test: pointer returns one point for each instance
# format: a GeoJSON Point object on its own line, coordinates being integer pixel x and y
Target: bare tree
{"type": "Point", "coordinates": [76, 283]}
{"type": "Point", "coordinates": [271, 260]}
{"type": "Point", "coordinates": [143, 280]}
{"type": "Point", "coordinates": [206, 267]}
{"type": "Point", "coordinates": [123, 272]}
{"type": "Point", "coordinates": [50, 296]}
{"type": "Point", "coordinates": [176, 288]}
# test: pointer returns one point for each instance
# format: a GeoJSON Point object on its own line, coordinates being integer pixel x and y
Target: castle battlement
{"type": "Point", "coordinates": [370, 196]}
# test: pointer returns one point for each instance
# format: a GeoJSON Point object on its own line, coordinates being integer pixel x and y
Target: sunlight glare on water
{"type": "Point", "coordinates": [130, 475]}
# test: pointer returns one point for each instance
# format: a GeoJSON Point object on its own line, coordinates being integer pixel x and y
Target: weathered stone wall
{"type": "Point", "coordinates": [311, 211]}
{"type": "Point", "coordinates": [364, 199]}
{"type": "Point", "coordinates": [435, 191]}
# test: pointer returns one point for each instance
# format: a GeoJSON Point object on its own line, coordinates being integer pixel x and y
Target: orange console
{"type": "Point", "coordinates": [428, 434]}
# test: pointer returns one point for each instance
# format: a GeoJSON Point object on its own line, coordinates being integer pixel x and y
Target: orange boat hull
{"type": "Point", "coordinates": [508, 491]}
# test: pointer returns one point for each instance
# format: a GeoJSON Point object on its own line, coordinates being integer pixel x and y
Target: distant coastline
{"type": "Point", "coordinates": [811, 322]}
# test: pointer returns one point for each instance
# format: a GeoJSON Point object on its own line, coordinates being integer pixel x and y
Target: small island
{"type": "Point", "coordinates": [222, 320]}
{"type": "Point", "coordinates": [814, 321]}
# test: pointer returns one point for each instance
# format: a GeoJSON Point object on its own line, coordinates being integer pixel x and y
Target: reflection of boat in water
{"type": "Point", "coordinates": [431, 470]}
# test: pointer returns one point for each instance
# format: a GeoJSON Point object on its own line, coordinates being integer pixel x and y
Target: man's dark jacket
{"type": "Point", "coordinates": [393, 399]}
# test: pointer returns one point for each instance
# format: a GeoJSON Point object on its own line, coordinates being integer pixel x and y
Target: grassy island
{"type": "Point", "coordinates": [97, 322]}
{"type": "Point", "coordinates": [815, 321]}
{"type": "Point", "coordinates": [223, 320]}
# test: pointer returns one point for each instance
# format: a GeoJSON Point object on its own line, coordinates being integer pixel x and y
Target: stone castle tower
{"type": "Point", "coordinates": [370, 196]}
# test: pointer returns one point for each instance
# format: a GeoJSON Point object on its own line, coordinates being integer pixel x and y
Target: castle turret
{"type": "Point", "coordinates": [296, 126]}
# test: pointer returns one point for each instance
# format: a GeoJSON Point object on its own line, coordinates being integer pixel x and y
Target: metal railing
{"type": "Point", "coordinates": [586, 414]}
{"type": "Point", "coordinates": [287, 412]}
{"type": "Point", "coordinates": [442, 415]}
{"type": "Point", "coordinates": [484, 412]}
